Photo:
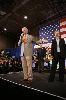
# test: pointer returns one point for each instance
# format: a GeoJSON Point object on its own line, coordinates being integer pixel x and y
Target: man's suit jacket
{"type": "Point", "coordinates": [54, 48]}
{"type": "Point", "coordinates": [26, 49]}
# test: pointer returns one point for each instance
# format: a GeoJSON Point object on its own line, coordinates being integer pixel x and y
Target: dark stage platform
{"type": "Point", "coordinates": [40, 84]}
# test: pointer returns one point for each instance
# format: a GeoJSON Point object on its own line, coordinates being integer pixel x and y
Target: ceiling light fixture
{"type": "Point", "coordinates": [25, 17]}
{"type": "Point", "coordinates": [5, 29]}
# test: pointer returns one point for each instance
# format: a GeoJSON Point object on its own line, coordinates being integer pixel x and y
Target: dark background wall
{"type": "Point", "coordinates": [6, 42]}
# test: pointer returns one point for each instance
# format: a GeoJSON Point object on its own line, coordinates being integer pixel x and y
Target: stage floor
{"type": "Point", "coordinates": [40, 82]}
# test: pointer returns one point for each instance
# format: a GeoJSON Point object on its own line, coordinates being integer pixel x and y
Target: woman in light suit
{"type": "Point", "coordinates": [26, 54]}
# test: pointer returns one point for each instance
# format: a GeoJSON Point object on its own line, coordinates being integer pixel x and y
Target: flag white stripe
{"type": "Point", "coordinates": [62, 29]}
{"type": "Point", "coordinates": [65, 40]}
{"type": "Point", "coordinates": [63, 23]}
{"type": "Point", "coordinates": [63, 35]}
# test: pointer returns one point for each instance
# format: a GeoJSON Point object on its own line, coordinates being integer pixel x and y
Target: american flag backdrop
{"type": "Point", "coordinates": [63, 28]}
{"type": "Point", "coordinates": [47, 32]}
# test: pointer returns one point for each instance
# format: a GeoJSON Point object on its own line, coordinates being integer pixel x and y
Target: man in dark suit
{"type": "Point", "coordinates": [58, 54]}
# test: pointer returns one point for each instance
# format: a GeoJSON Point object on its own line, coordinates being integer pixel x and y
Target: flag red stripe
{"type": "Point", "coordinates": [63, 26]}
{"type": "Point", "coordinates": [63, 32]}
